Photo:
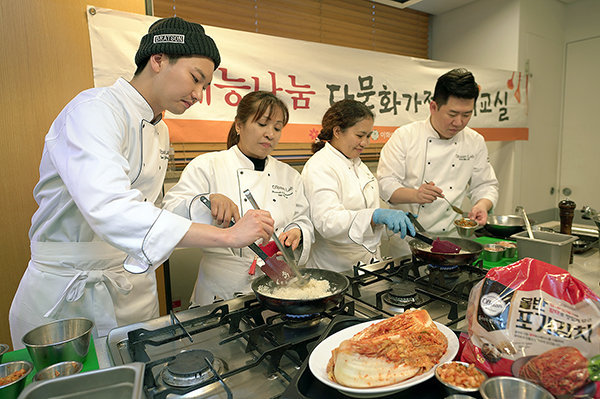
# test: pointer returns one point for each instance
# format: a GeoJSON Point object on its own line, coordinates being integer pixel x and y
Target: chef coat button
{"type": "Point", "coordinates": [430, 140]}
{"type": "Point", "coordinates": [450, 187]}
{"type": "Point", "coordinates": [159, 167]}
{"type": "Point", "coordinates": [452, 165]}
{"type": "Point", "coordinates": [242, 172]}
{"type": "Point", "coordinates": [443, 229]}
{"type": "Point", "coordinates": [274, 199]}
{"type": "Point", "coordinates": [428, 163]}
{"type": "Point", "coordinates": [145, 199]}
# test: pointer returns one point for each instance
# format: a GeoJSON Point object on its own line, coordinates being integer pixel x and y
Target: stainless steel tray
{"type": "Point", "coordinates": [115, 382]}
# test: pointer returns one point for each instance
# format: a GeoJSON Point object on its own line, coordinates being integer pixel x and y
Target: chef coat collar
{"type": "Point", "coordinates": [347, 161]}
{"type": "Point", "coordinates": [246, 162]}
{"type": "Point", "coordinates": [137, 100]}
{"type": "Point", "coordinates": [431, 132]}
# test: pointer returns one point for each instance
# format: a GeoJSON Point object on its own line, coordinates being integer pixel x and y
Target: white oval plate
{"type": "Point", "coordinates": [322, 353]}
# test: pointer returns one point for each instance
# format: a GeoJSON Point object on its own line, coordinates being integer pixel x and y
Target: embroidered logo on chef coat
{"type": "Point", "coordinates": [465, 157]}
{"type": "Point", "coordinates": [164, 154]}
{"type": "Point", "coordinates": [280, 191]}
{"type": "Point", "coordinates": [169, 38]}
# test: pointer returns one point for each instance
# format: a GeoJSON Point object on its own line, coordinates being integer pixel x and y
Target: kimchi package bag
{"type": "Point", "coordinates": [535, 321]}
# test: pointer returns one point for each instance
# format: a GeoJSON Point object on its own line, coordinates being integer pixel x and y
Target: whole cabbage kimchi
{"type": "Point", "coordinates": [388, 352]}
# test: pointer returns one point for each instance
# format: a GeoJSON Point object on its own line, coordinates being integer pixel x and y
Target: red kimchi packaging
{"type": "Point", "coordinates": [535, 321]}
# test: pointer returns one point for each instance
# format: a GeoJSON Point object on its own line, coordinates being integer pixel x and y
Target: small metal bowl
{"type": "Point", "coordinates": [466, 231]}
{"type": "Point", "coordinates": [493, 252]}
{"type": "Point", "coordinates": [512, 388]}
{"type": "Point", "coordinates": [3, 350]}
{"type": "Point", "coordinates": [13, 389]}
{"type": "Point", "coordinates": [58, 370]}
{"type": "Point", "coordinates": [451, 389]}
{"type": "Point", "coordinates": [510, 248]}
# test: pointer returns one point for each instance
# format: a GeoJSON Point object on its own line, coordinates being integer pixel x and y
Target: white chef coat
{"type": "Point", "coordinates": [101, 173]}
{"type": "Point", "coordinates": [343, 195]}
{"type": "Point", "coordinates": [459, 166]}
{"type": "Point", "coordinates": [278, 189]}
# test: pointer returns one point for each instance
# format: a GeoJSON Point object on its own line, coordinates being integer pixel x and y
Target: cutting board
{"type": "Point", "coordinates": [504, 261]}
{"type": "Point", "coordinates": [91, 362]}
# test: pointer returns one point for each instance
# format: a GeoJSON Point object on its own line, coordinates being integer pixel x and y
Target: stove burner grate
{"type": "Point", "coordinates": [401, 296]}
{"type": "Point", "coordinates": [190, 368]}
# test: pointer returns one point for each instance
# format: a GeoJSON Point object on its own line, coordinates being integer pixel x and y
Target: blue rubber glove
{"type": "Point", "coordinates": [395, 220]}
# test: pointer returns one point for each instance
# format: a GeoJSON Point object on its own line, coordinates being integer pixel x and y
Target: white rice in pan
{"type": "Point", "coordinates": [312, 290]}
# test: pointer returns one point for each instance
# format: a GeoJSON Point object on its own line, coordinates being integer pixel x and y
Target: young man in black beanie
{"type": "Point", "coordinates": [101, 172]}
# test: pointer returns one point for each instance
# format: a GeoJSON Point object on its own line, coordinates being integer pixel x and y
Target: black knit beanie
{"type": "Point", "coordinates": [179, 37]}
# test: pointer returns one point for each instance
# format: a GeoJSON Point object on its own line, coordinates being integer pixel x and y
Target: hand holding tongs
{"type": "Point", "coordinates": [276, 269]}
{"type": "Point", "coordinates": [288, 253]}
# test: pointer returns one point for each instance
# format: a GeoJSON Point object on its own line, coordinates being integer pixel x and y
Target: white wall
{"type": "Point", "coordinates": [503, 35]}
{"type": "Point", "coordinates": [582, 20]}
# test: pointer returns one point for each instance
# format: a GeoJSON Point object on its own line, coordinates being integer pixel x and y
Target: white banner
{"type": "Point", "coordinates": [309, 77]}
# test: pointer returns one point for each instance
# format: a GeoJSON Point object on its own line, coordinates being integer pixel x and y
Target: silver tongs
{"type": "Point", "coordinates": [288, 253]}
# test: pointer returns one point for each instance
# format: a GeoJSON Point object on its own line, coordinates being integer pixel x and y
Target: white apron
{"type": "Point", "coordinates": [93, 284]}
{"type": "Point", "coordinates": [278, 189]}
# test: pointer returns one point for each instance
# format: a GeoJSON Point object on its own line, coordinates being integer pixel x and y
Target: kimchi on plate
{"type": "Point", "coordinates": [382, 357]}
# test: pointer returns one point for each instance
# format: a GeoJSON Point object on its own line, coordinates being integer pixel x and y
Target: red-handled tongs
{"type": "Point", "coordinates": [276, 269]}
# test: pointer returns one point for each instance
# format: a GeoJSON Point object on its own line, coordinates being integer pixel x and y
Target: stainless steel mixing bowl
{"type": "Point", "coordinates": [59, 341]}
{"type": "Point", "coordinates": [512, 388]}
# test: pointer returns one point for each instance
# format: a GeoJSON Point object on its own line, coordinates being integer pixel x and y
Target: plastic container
{"type": "Point", "coordinates": [553, 248]}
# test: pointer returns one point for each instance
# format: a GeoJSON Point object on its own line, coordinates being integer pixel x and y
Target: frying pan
{"type": "Point", "coordinates": [338, 284]}
{"type": "Point", "coordinates": [505, 225]}
{"type": "Point", "coordinates": [470, 251]}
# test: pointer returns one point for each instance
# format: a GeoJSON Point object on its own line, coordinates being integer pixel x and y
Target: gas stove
{"type": "Point", "coordinates": [238, 349]}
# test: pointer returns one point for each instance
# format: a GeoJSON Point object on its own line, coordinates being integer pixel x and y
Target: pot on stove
{"type": "Point", "coordinates": [469, 253]}
{"type": "Point", "coordinates": [338, 284]}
